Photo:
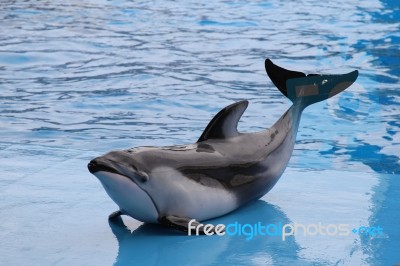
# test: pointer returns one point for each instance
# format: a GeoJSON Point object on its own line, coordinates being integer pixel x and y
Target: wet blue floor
{"type": "Point", "coordinates": [79, 78]}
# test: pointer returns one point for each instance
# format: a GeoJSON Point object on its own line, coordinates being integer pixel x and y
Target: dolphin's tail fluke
{"type": "Point", "coordinates": [308, 89]}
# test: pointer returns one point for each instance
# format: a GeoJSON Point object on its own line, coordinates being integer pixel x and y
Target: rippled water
{"type": "Point", "coordinates": [78, 78]}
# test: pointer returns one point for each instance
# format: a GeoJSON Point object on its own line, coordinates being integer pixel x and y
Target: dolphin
{"type": "Point", "coordinates": [223, 170]}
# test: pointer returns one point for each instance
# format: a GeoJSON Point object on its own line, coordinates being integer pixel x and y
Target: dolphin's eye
{"type": "Point", "coordinates": [143, 177]}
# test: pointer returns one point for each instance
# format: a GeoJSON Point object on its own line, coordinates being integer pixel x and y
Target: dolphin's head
{"type": "Point", "coordinates": [125, 184]}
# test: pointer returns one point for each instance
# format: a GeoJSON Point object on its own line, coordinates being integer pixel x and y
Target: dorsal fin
{"type": "Point", "coordinates": [224, 124]}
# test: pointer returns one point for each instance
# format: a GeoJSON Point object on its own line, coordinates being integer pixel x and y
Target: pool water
{"type": "Point", "coordinates": [80, 78]}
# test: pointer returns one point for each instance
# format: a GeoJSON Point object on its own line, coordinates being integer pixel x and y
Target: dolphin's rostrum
{"type": "Point", "coordinates": [223, 170]}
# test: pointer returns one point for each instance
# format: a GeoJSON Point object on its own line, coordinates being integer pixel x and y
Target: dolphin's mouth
{"type": "Point", "coordinates": [98, 165]}
{"type": "Point", "coordinates": [95, 166]}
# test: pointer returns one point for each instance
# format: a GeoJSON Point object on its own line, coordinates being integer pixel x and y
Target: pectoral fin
{"type": "Point", "coordinates": [115, 214]}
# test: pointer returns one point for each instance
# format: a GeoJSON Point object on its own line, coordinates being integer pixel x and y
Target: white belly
{"type": "Point", "coordinates": [128, 196]}
{"type": "Point", "coordinates": [175, 194]}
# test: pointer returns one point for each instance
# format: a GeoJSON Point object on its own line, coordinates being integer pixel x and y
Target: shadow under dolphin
{"type": "Point", "coordinates": [152, 244]}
